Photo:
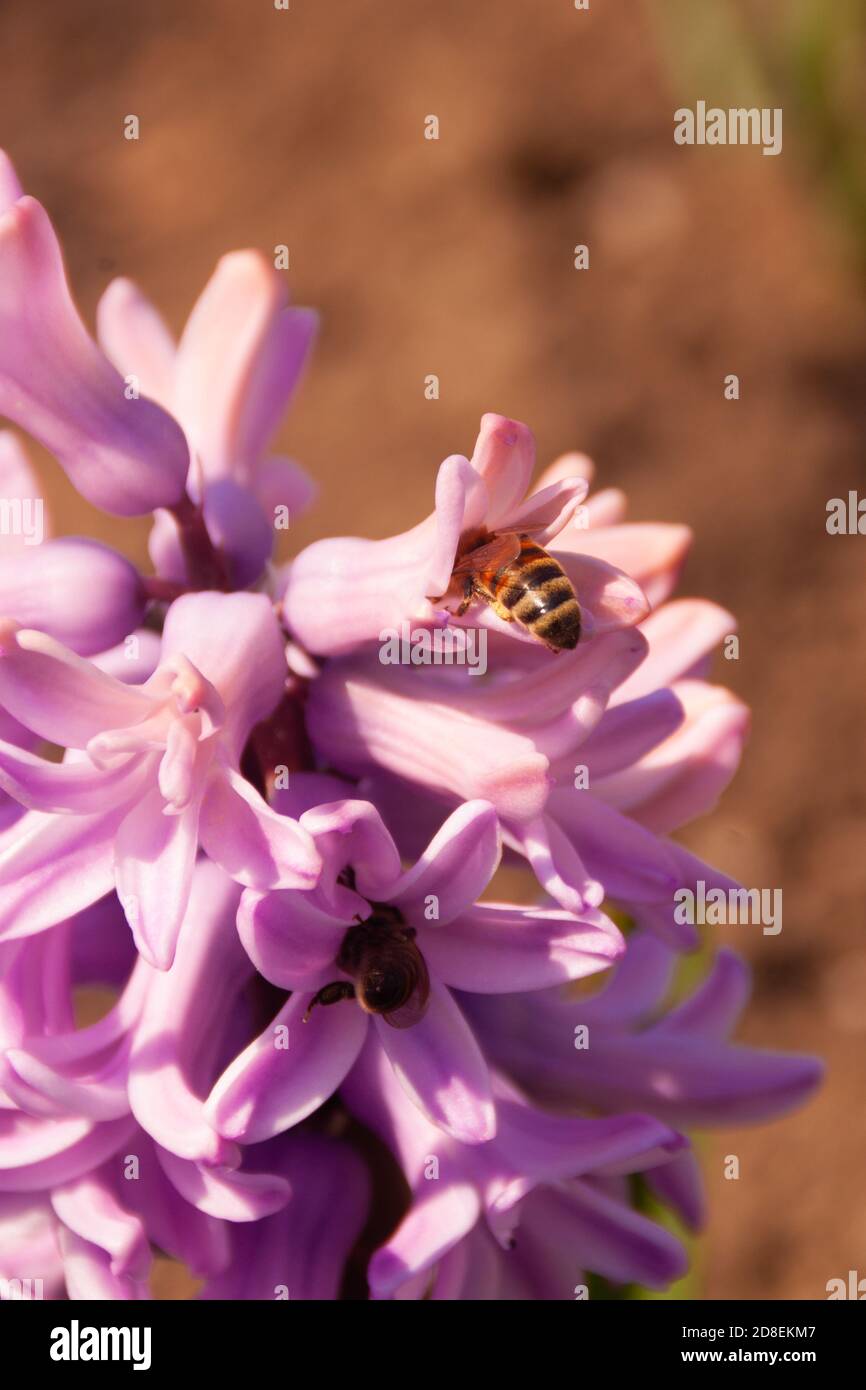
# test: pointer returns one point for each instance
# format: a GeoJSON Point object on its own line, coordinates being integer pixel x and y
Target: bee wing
{"type": "Point", "coordinates": [415, 1007]}
{"type": "Point", "coordinates": [408, 1014]}
{"type": "Point", "coordinates": [495, 554]}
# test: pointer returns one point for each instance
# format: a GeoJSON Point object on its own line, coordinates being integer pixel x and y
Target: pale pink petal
{"type": "Point", "coordinates": [76, 590]}
{"type": "Point", "coordinates": [349, 833]}
{"type": "Point", "coordinates": [611, 598]}
{"type": "Point", "coordinates": [362, 726]}
{"type": "Point", "coordinates": [681, 635]}
{"type": "Point", "coordinates": [504, 457]}
{"type": "Point", "coordinates": [136, 340]}
{"type": "Point", "coordinates": [606, 508]}
{"type": "Point", "coordinates": [133, 660]}
{"type": "Point", "coordinates": [75, 786]}
{"type": "Point", "coordinates": [155, 854]}
{"type": "Point", "coordinates": [234, 641]}
{"type": "Point", "coordinates": [684, 776]}
{"type": "Point", "coordinates": [578, 685]}
{"type": "Point", "coordinates": [10, 184]}
{"type": "Point", "coordinates": [59, 695]}
{"type": "Point", "coordinates": [570, 465]}
{"type": "Point", "coordinates": [254, 844]}
{"type": "Point", "coordinates": [239, 359]}
{"type": "Point", "coordinates": [461, 503]}
{"type": "Point", "coordinates": [546, 514]}
{"type": "Point", "coordinates": [650, 552]}
{"type": "Point", "coordinates": [124, 455]}
{"type": "Point", "coordinates": [20, 484]}
{"type": "Point", "coordinates": [281, 482]}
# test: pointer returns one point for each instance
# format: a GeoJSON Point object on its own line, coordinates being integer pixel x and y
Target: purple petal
{"type": "Point", "coordinates": [349, 834]}
{"type": "Point", "coordinates": [442, 1068]}
{"type": "Point", "coordinates": [612, 1239]}
{"type": "Point", "coordinates": [174, 1044]}
{"type": "Point", "coordinates": [455, 868]}
{"type": "Point", "coordinates": [53, 866]}
{"type": "Point", "coordinates": [433, 1226]}
{"type": "Point", "coordinates": [557, 864]}
{"type": "Point", "coordinates": [286, 1251]}
{"type": "Point", "coordinates": [714, 1008]}
{"type": "Point", "coordinates": [272, 1086]}
{"type": "Point", "coordinates": [90, 1208]}
{"type": "Point", "coordinates": [226, 1194]}
{"type": "Point", "coordinates": [497, 949]}
{"type": "Point", "coordinates": [88, 1273]}
{"type": "Point", "coordinates": [632, 864]}
{"type": "Point", "coordinates": [280, 482]}
{"type": "Point", "coordinates": [288, 938]}
{"type": "Point", "coordinates": [36, 1154]}
{"type": "Point", "coordinates": [680, 1185]}
{"type": "Point", "coordinates": [78, 591]}
{"type": "Point", "coordinates": [628, 731]}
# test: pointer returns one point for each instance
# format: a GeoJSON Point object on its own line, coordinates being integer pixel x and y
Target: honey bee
{"type": "Point", "coordinates": [521, 582]}
{"type": "Point", "coordinates": [389, 974]}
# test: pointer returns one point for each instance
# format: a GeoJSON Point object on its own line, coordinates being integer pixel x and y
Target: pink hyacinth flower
{"type": "Point", "coordinates": [228, 382]}
{"type": "Point", "coordinates": [345, 591]}
{"type": "Point", "coordinates": [489, 1182]}
{"type": "Point", "coordinates": [152, 771]}
{"type": "Point", "coordinates": [121, 451]}
{"type": "Point", "coordinates": [295, 938]}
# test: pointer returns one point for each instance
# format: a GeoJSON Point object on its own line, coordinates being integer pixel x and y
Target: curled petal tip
{"type": "Point", "coordinates": [9, 630]}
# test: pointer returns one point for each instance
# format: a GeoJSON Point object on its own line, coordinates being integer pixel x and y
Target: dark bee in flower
{"type": "Point", "coordinates": [388, 973]}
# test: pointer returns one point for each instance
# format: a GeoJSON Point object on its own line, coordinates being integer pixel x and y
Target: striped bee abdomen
{"type": "Point", "coordinates": [535, 589]}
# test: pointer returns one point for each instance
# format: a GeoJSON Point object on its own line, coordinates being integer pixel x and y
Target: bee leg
{"type": "Point", "coordinates": [468, 596]}
{"type": "Point", "coordinates": [334, 993]}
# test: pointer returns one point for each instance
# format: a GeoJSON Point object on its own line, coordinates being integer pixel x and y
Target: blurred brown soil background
{"type": "Point", "coordinates": [455, 257]}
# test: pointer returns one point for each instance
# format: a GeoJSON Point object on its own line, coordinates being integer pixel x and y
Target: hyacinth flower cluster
{"type": "Point", "coordinates": [332, 1062]}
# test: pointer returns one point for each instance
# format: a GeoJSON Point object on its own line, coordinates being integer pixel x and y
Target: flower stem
{"type": "Point", "coordinates": [205, 565]}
